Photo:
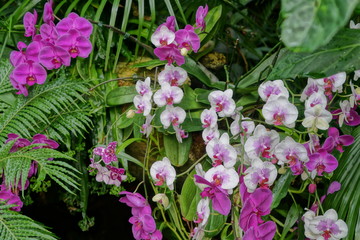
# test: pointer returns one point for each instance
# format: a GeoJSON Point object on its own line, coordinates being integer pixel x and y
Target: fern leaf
{"type": "Point", "coordinates": [15, 226]}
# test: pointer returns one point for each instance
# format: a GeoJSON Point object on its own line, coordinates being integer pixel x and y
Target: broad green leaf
{"type": "Point", "coordinates": [121, 95]}
{"type": "Point", "coordinates": [347, 201]}
{"type": "Point", "coordinates": [127, 143]}
{"type": "Point", "coordinates": [291, 218]}
{"type": "Point", "coordinates": [311, 24]}
{"type": "Point", "coordinates": [178, 153]}
{"type": "Point", "coordinates": [202, 95]}
{"type": "Point", "coordinates": [215, 223]}
{"type": "Point", "coordinates": [149, 64]}
{"type": "Point", "coordinates": [281, 188]}
{"type": "Point", "coordinates": [340, 55]}
{"type": "Point", "coordinates": [189, 102]}
{"type": "Point", "coordinates": [189, 198]}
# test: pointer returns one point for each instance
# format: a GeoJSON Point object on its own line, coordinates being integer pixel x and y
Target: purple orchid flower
{"type": "Point", "coordinates": [9, 198]}
{"type": "Point", "coordinates": [187, 38]}
{"type": "Point", "coordinates": [322, 161]}
{"type": "Point", "coordinates": [108, 153]}
{"type": "Point", "coordinates": [75, 44]}
{"type": "Point", "coordinates": [334, 140]}
{"type": "Point", "coordinates": [272, 89]}
{"type": "Point", "coordinates": [171, 53]}
{"type": "Point", "coordinates": [168, 95]}
{"type": "Point", "coordinates": [210, 133]}
{"type": "Point", "coordinates": [170, 23]}
{"type": "Point", "coordinates": [29, 73]}
{"type": "Point", "coordinates": [218, 196]}
{"type": "Point", "coordinates": [40, 138]}
{"type": "Point", "coordinates": [19, 143]}
{"type": "Point", "coordinates": [143, 87]}
{"type": "Point", "coordinates": [162, 37]}
{"type": "Point", "coordinates": [175, 76]}
{"type": "Point", "coordinates": [142, 225]}
{"type": "Point", "coordinates": [265, 231]}
{"type": "Point", "coordinates": [29, 23]}
{"type": "Point", "coordinates": [346, 114]}
{"type": "Point", "coordinates": [180, 133]}
{"type": "Point", "coordinates": [172, 116]}
{"type": "Point", "coordinates": [256, 205]}
{"type": "Point", "coordinates": [48, 15]}
{"type": "Point", "coordinates": [222, 102]}
{"type": "Point", "coordinates": [53, 57]}
{"type": "Point", "coordinates": [163, 173]}
{"type": "Point", "coordinates": [48, 34]}
{"type": "Point", "coordinates": [21, 87]}
{"type": "Point", "coordinates": [221, 152]}
{"type": "Point", "coordinates": [279, 111]}
{"type": "Point", "coordinates": [33, 50]}
{"type": "Point", "coordinates": [209, 118]}
{"type": "Point", "coordinates": [201, 13]}
{"type": "Point", "coordinates": [74, 22]}
{"type": "Point", "coordinates": [143, 104]}
{"type": "Point", "coordinates": [18, 57]}
{"type": "Point", "coordinates": [133, 200]}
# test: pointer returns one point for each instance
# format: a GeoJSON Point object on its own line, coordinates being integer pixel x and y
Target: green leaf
{"type": "Point", "coordinates": [311, 24]}
{"type": "Point", "coordinates": [340, 55]}
{"type": "Point", "coordinates": [178, 153]}
{"type": "Point", "coordinates": [215, 223]}
{"type": "Point", "coordinates": [121, 95]}
{"type": "Point", "coordinates": [281, 188]}
{"type": "Point", "coordinates": [127, 143]}
{"type": "Point", "coordinates": [189, 101]}
{"type": "Point", "coordinates": [189, 198]}
{"type": "Point", "coordinates": [291, 218]}
{"type": "Point", "coordinates": [149, 64]}
{"type": "Point", "coordinates": [347, 201]}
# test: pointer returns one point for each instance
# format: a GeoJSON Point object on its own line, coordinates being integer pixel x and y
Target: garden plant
{"type": "Point", "coordinates": [222, 119]}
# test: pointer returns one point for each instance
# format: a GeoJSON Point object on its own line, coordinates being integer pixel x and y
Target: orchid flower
{"type": "Point", "coordinates": [280, 111]}
{"type": "Point", "coordinates": [334, 140]}
{"type": "Point", "coordinates": [222, 102]}
{"type": "Point", "coordinates": [142, 104]}
{"type": "Point", "coordinates": [18, 57]}
{"type": "Point", "coordinates": [203, 211]}
{"type": "Point", "coordinates": [187, 38]}
{"type": "Point", "coordinates": [347, 115]}
{"type": "Point", "coordinates": [265, 231]}
{"type": "Point", "coordinates": [143, 87]}
{"type": "Point", "coordinates": [146, 128]}
{"type": "Point", "coordinates": [162, 37]}
{"type": "Point", "coordinates": [317, 117]}
{"type": "Point", "coordinates": [53, 57]}
{"type": "Point", "coordinates": [209, 118]}
{"type": "Point", "coordinates": [332, 84]}
{"type": "Point", "coordinates": [272, 88]}
{"type": "Point", "coordinates": [74, 22]}
{"type": "Point", "coordinates": [107, 154]}
{"type": "Point", "coordinates": [180, 134]}
{"type": "Point", "coordinates": [29, 73]}
{"type": "Point", "coordinates": [247, 126]}
{"type": "Point", "coordinates": [262, 143]}
{"type": "Point", "coordinates": [261, 174]}
{"type": "Point", "coordinates": [75, 44]}
{"type": "Point", "coordinates": [48, 15]}
{"type": "Point", "coordinates": [221, 152]}
{"type": "Point", "coordinates": [172, 115]}
{"type": "Point", "coordinates": [175, 76]}
{"type": "Point", "coordinates": [171, 53]}
{"type": "Point", "coordinates": [209, 134]}
{"type": "Point", "coordinates": [289, 151]}
{"type": "Point", "coordinates": [170, 23]}
{"type": "Point", "coordinates": [201, 13]}
{"type": "Point", "coordinates": [326, 226]}
{"type": "Point", "coordinates": [168, 95]}
{"type": "Point", "coordinates": [311, 88]}
{"type": "Point", "coordinates": [29, 23]}
{"type": "Point", "coordinates": [322, 161]}
{"type": "Point", "coordinates": [226, 178]}
{"type": "Point", "coordinates": [163, 172]}
{"type": "Point", "coordinates": [315, 99]}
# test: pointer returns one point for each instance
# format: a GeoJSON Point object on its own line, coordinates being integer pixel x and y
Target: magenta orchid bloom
{"type": "Point", "coordinates": [48, 15]}
{"type": "Point", "coordinates": [336, 141]}
{"type": "Point", "coordinates": [142, 225]}
{"type": "Point", "coordinates": [40, 138]}
{"type": "Point", "coordinates": [75, 44]}
{"type": "Point", "coordinates": [19, 143]}
{"type": "Point", "coordinates": [48, 34]}
{"type": "Point", "coordinates": [74, 22]}
{"type": "Point", "coordinates": [172, 116]}
{"type": "Point", "coordinates": [170, 53]}
{"type": "Point", "coordinates": [21, 87]}
{"type": "Point", "coordinates": [219, 197]}
{"type": "Point", "coordinates": [107, 154]}
{"type": "Point", "coordinates": [201, 13]}
{"type": "Point", "coordinates": [256, 205]}
{"type": "Point", "coordinates": [168, 95]}
{"type": "Point", "coordinates": [53, 57]}
{"type": "Point", "coordinates": [175, 76]}
{"type": "Point", "coordinates": [346, 114]}
{"type": "Point", "coordinates": [29, 23]}
{"type": "Point", "coordinates": [133, 200]}
{"type": "Point", "coordinates": [322, 161]}
{"type": "Point", "coordinates": [187, 38]}
{"type": "Point", "coordinates": [170, 23]}
{"type": "Point", "coordinates": [33, 50]}
{"type": "Point", "coordinates": [9, 198]}
{"type": "Point", "coordinates": [265, 231]}
{"type": "Point", "coordinates": [18, 57]}
{"type": "Point", "coordinates": [29, 73]}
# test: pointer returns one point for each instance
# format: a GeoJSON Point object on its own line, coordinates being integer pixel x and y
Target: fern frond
{"type": "Point", "coordinates": [15, 226]}
{"type": "Point", "coordinates": [16, 166]}
{"type": "Point", "coordinates": [29, 115]}
{"type": "Point", "coordinates": [5, 86]}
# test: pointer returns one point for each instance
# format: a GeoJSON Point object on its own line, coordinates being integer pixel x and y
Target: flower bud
{"type": "Point", "coordinates": [161, 198]}
{"type": "Point", "coordinates": [312, 188]}
{"type": "Point", "coordinates": [184, 51]}
{"type": "Point", "coordinates": [130, 113]}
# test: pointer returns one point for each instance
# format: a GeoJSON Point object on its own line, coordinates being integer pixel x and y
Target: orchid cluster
{"type": "Point", "coordinates": [108, 174]}
{"type": "Point", "coordinates": [10, 194]}
{"type": "Point", "coordinates": [171, 46]}
{"type": "Point", "coordinates": [144, 226]}
{"type": "Point", "coordinates": [51, 48]}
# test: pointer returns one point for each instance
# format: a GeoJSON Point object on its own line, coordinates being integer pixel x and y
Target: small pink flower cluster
{"type": "Point", "coordinates": [53, 47]}
{"type": "Point", "coordinates": [109, 174]}
{"type": "Point", "coordinates": [144, 226]}
{"type": "Point", "coordinates": [173, 46]}
{"type": "Point", "coordinates": [10, 194]}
